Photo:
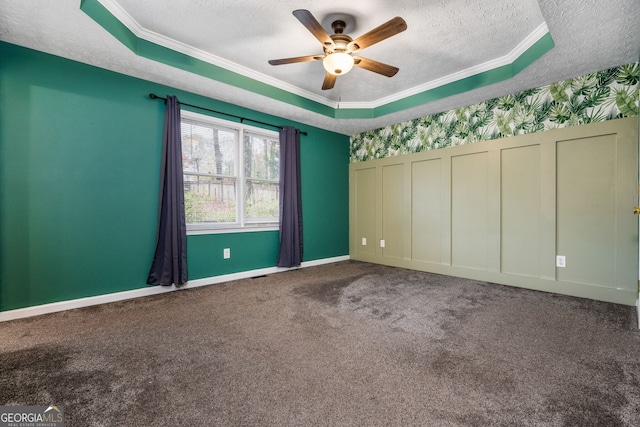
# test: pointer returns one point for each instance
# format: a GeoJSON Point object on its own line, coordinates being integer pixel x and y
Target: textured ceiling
{"type": "Point", "coordinates": [249, 33]}
{"type": "Point", "coordinates": [444, 37]}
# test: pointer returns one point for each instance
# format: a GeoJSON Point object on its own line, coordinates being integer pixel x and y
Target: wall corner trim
{"type": "Point", "coordinates": [152, 290]}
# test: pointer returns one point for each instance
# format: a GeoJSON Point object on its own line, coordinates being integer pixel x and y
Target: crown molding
{"type": "Point", "coordinates": [508, 59]}
{"type": "Point", "coordinates": [151, 36]}
{"type": "Point", "coordinates": [128, 31]}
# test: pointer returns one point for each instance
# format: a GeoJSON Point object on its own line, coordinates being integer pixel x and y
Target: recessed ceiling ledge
{"type": "Point", "coordinates": [114, 19]}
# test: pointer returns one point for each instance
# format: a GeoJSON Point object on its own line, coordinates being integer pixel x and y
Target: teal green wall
{"type": "Point", "coordinates": [79, 167]}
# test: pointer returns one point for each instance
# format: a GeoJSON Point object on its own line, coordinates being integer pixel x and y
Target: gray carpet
{"type": "Point", "coordinates": [346, 344]}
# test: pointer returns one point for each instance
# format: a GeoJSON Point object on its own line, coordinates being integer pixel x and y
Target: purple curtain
{"type": "Point", "coordinates": [170, 260]}
{"type": "Point", "coordinates": [290, 199]}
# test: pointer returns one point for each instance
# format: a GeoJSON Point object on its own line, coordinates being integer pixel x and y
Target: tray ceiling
{"type": "Point", "coordinates": [507, 45]}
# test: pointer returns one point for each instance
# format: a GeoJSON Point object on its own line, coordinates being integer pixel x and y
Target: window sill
{"type": "Point", "coordinates": [227, 230]}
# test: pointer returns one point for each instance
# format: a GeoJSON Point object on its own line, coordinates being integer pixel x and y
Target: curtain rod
{"type": "Point", "coordinates": [242, 119]}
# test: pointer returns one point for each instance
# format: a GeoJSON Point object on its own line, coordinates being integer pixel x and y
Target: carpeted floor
{"type": "Point", "coordinates": [345, 344]}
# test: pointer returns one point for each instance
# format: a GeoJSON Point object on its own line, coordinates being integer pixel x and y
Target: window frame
{"type": "Point", "coordinates": [241, 225]}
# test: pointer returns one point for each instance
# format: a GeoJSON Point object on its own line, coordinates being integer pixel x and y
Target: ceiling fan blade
{"type": "Point", "coordinates": [312, 24]}
{"type": "Point", "coordinates": [384, 31]}
{"type": "Point", "coordinates": [296, 59]}
{"type": "Point", "coordinates": [375, 66]}
{"type": "Point", "coordinates": [329, 81]}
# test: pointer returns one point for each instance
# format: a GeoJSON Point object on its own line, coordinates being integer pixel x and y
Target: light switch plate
{"type": "Point", "coordinates": [561, 261]}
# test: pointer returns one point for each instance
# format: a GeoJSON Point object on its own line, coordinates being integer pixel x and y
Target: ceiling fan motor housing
{"type": "Point", "coordinates": [340, 41]}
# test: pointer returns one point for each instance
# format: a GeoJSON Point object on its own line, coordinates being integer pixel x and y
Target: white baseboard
{"type": "Point", "coordinates": [151, 290]}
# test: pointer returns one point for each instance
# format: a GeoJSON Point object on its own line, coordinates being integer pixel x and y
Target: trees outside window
{"type": "Point", "coordinates": [231, 174]}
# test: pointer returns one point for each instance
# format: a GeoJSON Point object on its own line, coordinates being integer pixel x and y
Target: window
{"type": "Point", "coordinates": [231, 175]}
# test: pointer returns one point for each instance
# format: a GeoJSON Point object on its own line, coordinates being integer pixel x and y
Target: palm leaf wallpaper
{"type": "Point", "coordinates": [596, 97]}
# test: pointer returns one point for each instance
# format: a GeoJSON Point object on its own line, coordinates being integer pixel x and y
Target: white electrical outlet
{"type": "Point", "coordinates": [382, 243]}
{"type": "Point", "coordinates": [226, 253]}
{"type": "Point", "coordinates": [561, 261]}
{"type": "Point", "coordinates": [364, 241]}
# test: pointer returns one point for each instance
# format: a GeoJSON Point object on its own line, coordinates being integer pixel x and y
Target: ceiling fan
{"type": "Point", "coordinates": [339, 48]}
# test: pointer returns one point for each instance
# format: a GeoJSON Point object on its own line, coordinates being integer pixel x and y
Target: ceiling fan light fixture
{"type": "Point", "coordinates": [339, 47]}
{"type": "Point", "coordinates": [338, 63]}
